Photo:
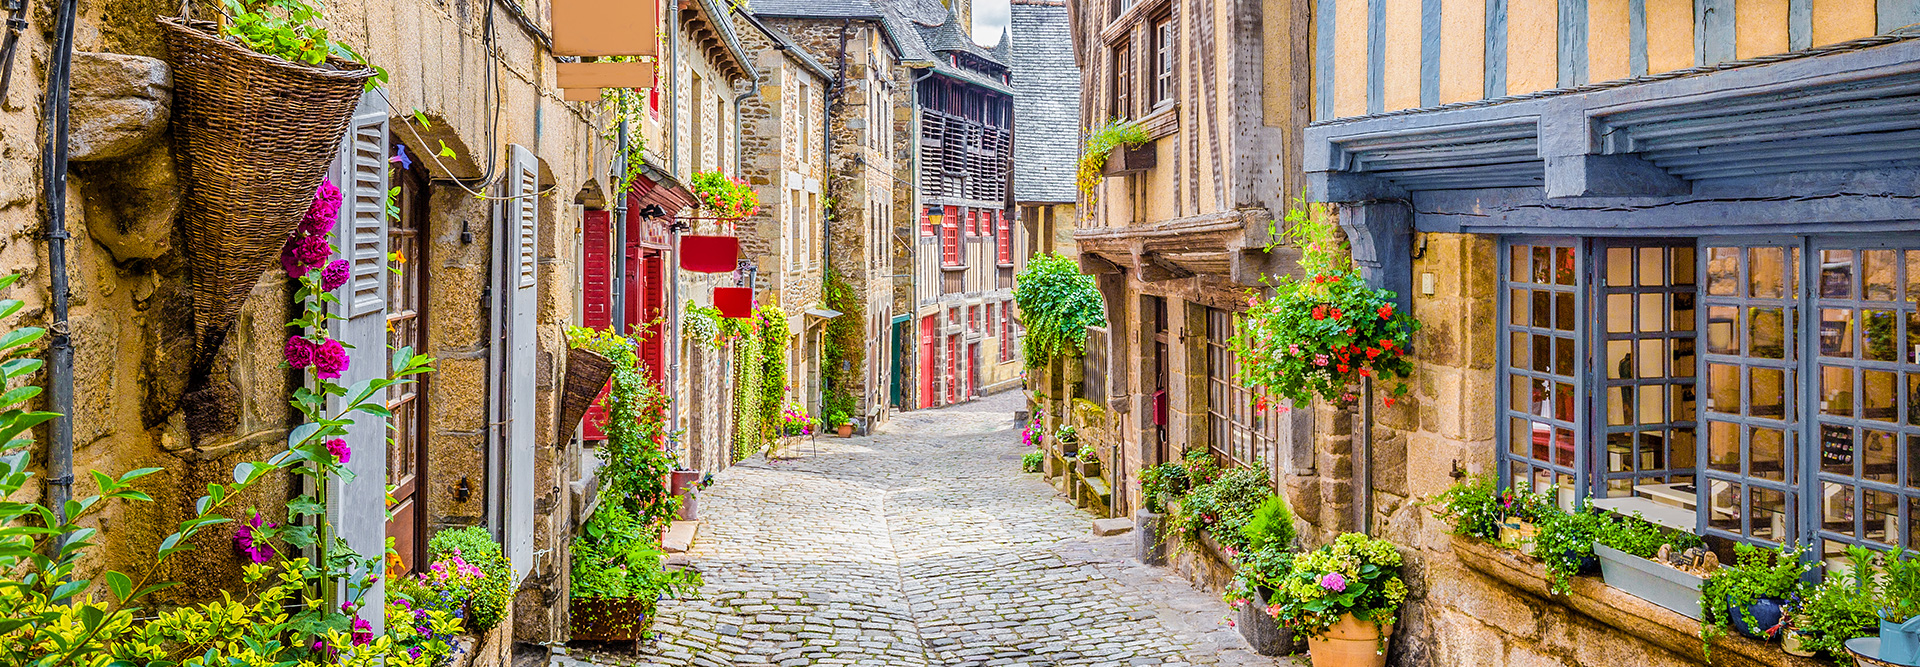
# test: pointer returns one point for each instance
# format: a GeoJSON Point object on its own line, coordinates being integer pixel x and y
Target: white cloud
{"type": "Point", "coordinates": [990, 19]}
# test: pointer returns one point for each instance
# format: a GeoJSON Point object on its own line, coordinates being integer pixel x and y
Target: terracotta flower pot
{"type": "Point", "coordinates": [1351, 642]}
{"type": "Point", "coordinates": [709, 254]}
{"type": "Point", "coordinates": [845, 430]}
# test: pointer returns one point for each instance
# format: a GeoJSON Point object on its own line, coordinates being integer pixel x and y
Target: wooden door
{"type": "Point", "coordinates": [407, 329]}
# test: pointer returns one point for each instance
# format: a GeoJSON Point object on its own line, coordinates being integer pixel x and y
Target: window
{"type": "Point", "coordinates": [1806, 352]}
{"type": "Point", "coordinates": [950, 238]}
{"type": "Point", "coordinates": [1004, 242]}
{"type": "Point", "coordinates": [973, 223]}
{"type": "Point", "coordinates": [1006, 332]}
{"type": "Point", "coordinates": [1123, 80]}
{"type": "Point", "coordinates": [989, 319]}
{"type": "Point", "coordinates": [814, 242]}
{"type": "Point", "coordinates": [406, 328]}
{"type": "Point", "coordinates": [973, 319]}
{"type": "Point", "coordinates": [1240, 428]}
{"type": "Point", "coordinates": [806, 118]}
{"type": "Point", "coordinates": [1163, 60]}
{"type": "Point", "coordinates": [797, 231]}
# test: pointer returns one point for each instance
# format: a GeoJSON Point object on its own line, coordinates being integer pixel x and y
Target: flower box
{"type": "Point", "coordinates": [1264, 634]}
{"type": "Point", "coordinates": [587, 373]}
{"type": "Point", "coordinates": [611, 619]}
{"type": "Point", "coordinates": [1651, 581]}
{"type": "Point", "coordinates": [1129, 160]}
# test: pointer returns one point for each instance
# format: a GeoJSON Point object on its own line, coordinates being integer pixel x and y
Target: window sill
{"type": "Point", "coordinates": [953, 267]}
{"type": "Point", "coordinates": [1611, 606]}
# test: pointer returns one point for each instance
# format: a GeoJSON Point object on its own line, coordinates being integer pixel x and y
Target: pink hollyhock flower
{"type": "Point", "coordinates": [339, 449]}
{"type": "Point", "coordinates": [324, 211]}
{"type": "Point", "coordinates": [243, 540]}
{"type": "Point", "coordinates": [1334, 581]}
{"type": "Point", "coordinates": [298, 352]}
{"type": "Point", "coordinates": [362, 632]}
{"type": "Point", "coordinates": [334, 275]}
{"type": "Point", "coordinates": [329, 359]}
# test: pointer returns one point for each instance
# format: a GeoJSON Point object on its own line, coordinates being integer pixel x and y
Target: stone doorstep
{"type": "Point", "coordinates": [680, 536]}
{"type": "Point", "coordinates": [1619, 609]}
{"type": "Point", "coordinates": [1105, 527]}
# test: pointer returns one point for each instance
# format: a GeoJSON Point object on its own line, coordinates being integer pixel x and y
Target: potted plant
{"type": "Point", "coordinates": [1344, 597]}
{"type": "Point", "coordinates": [1159, 485]}
{"type": "Point", "coordinates": [1565, 543]}
{"type": "Point", "coordinates": [261, 101]}
{"type": "Point", "coordinates": [1128, 141]}
{"type": "Point", "coordinates": [1900, 610]}
{"type": "Point", "coordinates": [588, 368]}
{"type": "Point", "coordinates": [1056, 303]}
{"type": "Point", "coordinates": [1750, 593]}
{"type": "Point", "coordinates": [1069, 440]}
{"type": "Point", "coordinates": [1318, 337]}
{"type": "Point", "coordinates": [1258, 571]}
{"type": "Point", "coordinates": [842, 424]}
{"type": "Point", "coordinates": [1793, 640]}
{"type": "Point", "coordinates": [1626, 547]}
{"type": "Point", "coordinates": [1217, 513]}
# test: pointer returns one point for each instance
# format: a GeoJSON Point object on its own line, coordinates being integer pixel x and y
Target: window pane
{"type": "Point", "coordinates": [1913, 462]}
{"type": "Point", "coordinates": [1767, 392]}
{"type": "Point", "coordinates": [1653, 312]}
{"type": "Point", "coordinates": [1723, 506]}
{"type": "Point", "coordinates": [1836, 502]}
{"type": "Point", "coordinates": [1517, 270]}
{"type": "Point", "coordinates": [1542, 266]}
{"type": "Point", "coordinates": [1542, 310]}
{"type": "Point", "coordinates": [1619, 359]}
{"type": "Point", "coordinates": [1683, 311]}
{"type": "Point", "coordinates": [1836, 391]}
{"type": "Point", "coordinates": [1682, 266]}
{"type": "Point", "coordinates": [1653, 404]}
{"type": "Point", "coordinates": [1723, 271]}
{"type": "Point", "coordinates": [1723, 388]}
{"type": "Point", "coordinates": [1653, 267]}
{"type": "Point", "coordinates": [1913, 275]}
{"type": "Point", "coordinates": [1517, 350]}
{"type": "Point", "coordinates": [1879, 330]}
{"type": "Point", "coordinates": [1877, 275]}
{"type": "Point", "coordinates": [1619, 406]}
{"type": "Point", "coordinates": [1770, 514]}
{"type": "Point", "coordinates": [1723, 446]}
{"type": "Point", "coordinates": [1767, 333]}
{"type": "Point", "coordinates": [1619, 313]}
{"type": "Point", "coordinates": [1767, 272]}
{"type": "Point", "coordinates": [1652, 355]}
{"type": "Point", "coordinates": [1878, 460]}
{"type": "Point", "coordinates": [1563, 266]}
{"type": "Point", "coordinates": [1563, 318]}
{"type": "Point", "coordinates": [1563, 446]}
{"type": "Point", "coordinates": [1619, 452]}
{"type": "Point", "coordinates": [1682, 403]}
{"type": "Point", "coordinates": [1518, 396]}
{"type": "Point", "coordinates": [1619, 267]}
{"type": "Point", "coordinates": [1722, 336]}
{"type": "Point", "coordinates": [1563, 356]}
{"type": "Point", "coordinates": [1836, 274]}
{"type": "Point", "coordinates": [1767, 451]}
{"type": "Point", "coordinates": [1539, 397]}
{"type": "Point", "coordinates": [1881, 514]}
{"type": "Point", "coordinates": [1563, 401]}
{"type": "Point", "coordinates": [1836, 332]}
{"type": "Point", "coordinates": [1682, 448]}
{"type": "Point", "coordinates": [1683, 360]}
{"type": "Point", "coordinates": [1879, 391]}
{"type": "Point", "coordinates": [1543, 353]}
{"type": "Point", "coordinates": [1519, 434]}
{"type": "Point", "coordinates": [1836, 449]}
{"type": "Point", "coordinates": [1517, 307]}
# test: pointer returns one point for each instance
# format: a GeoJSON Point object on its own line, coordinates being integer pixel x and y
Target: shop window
{"type": "Point", "coordinates": [1769, 386]}
{"type": "Point", "coordinates": [1241, 428]}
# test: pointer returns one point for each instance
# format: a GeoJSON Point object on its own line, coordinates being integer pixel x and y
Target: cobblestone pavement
{"type": "Point", "coordinates": [923, 545]}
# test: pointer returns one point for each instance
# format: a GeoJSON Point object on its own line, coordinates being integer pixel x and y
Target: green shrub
{"type": "Point", "coordinates": [1225, 506]}
{"type": "Point", "coordinates": [1168, 478]}
{"type": "Point", "coordinates": [1271, 526]}
{"type": "Point", "coordinates": [1031, 462]}
{"type": "Point", "coordinates": [1565, 540]}
{"type": "Point", "coordinates": [1057, 303]}
{"type": "Point", "coordinates": [495, 591]}
{"type": "Point", "coordinates": [1842, 607]}
{"type": "Point", "coordinates": [1640, 537]}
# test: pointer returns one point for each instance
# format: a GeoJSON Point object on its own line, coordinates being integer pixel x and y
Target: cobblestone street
{"type": "Point", "coordinates": [924, 545]}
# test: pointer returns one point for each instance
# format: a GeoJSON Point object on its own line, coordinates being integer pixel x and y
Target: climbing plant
{"type": "Point", "coordinates": [1057, 303]}
{"type": "Point", "coordinates": [748, 433]}
{"type": "Point", "coordinates": [846, 350]}
{"type": "Point", "coordinates": [1100, 142]}
{"type": "Point", "coordinates": [773, 366]}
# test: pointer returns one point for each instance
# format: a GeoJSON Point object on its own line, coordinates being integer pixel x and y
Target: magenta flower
{"type": "Point", "coordinates": [324, 212]}
{"type": "Point", "coordinates": [340, 450]}
{"type": "Point", "coordinates": [299, 352]}
{"type": "Point", "coordinates": [334, 275]}
{"type": "Point", "coordinates": [362, 632]}
{"type": "Point", "coordinates": [302, 254]}
{"type": "Point", "coordinates": [244, 542]}
{"type": "Point", "coordinates": [1334, 581]}
{"type": "Point", "coordinates": [329, 359]}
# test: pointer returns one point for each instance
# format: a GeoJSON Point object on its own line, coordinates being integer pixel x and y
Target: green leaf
{"type": "Point", "coordinates": [445, 151]}
{"type": "Point", "coordinates": [421, 118]}
{"type": "Point", "coordinates": [67, 590]}
{"type": "Point", "coordinates": [120, 584]}
{"type": "Point", "coordinates": [243, 473]}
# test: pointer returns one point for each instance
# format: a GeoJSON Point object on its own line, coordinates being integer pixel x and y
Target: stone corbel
{"type": "Point", "coordinates": [1380, 234]}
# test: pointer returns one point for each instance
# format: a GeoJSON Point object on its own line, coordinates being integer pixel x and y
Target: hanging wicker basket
{"type": "Point", "coordinates": [253, 137]}
{"type": "Point", "coordinates": [587, 374]}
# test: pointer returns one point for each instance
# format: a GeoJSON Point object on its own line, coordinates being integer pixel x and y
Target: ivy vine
{"type": "Point", "coordinates": [1057, 303]}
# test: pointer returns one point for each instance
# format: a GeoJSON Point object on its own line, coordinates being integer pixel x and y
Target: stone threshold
{"type": "Point", "coordinates": [1591, 597]}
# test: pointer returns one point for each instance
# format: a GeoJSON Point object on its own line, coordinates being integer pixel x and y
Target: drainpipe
{"type": "Point", "coordinates": [60, 347]}
{"type": "Point", "coordinates": [739, 162]}
{"type": "Point", "coordinates": [618, 286]}
{"type": "Point", "coordinates": [673, 86]}
{"type": "Point", "coordinates": [1363, 463]}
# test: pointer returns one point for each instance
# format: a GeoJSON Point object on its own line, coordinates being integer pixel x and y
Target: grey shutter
{"type": "Point", "coordinates": [360, 171]}
{"type": "Point", "coordinates": [521, 215]}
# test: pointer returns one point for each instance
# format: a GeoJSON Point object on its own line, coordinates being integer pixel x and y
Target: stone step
{"type": "Point", "coordinates": [680, 536]}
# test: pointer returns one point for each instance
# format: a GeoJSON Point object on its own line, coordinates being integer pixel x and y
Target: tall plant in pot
{"type": "Point", "coordinates": [1319, 336]}
{"type": "Point", "coordinates": [1344, 596]}
{"type": "Point", "coordinates": [1750, 593]}
{"type": "Point", "coordinates": [1900, 609]}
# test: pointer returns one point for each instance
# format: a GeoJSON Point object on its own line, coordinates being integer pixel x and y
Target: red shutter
{"type": "Point", "coordinates": [973, 223]}
{"type": "Point", "coordinates": [1006, 238]}
{"type": "Point", "coordinates": [596, 296]}
{"type": "Point", "coordinates": [652, 311]}
{"type": "Point", "coordinates": [950, 238]}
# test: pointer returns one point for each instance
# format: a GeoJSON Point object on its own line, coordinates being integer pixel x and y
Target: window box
{"type": "Point", "coordinates": [1651, 581]}
{"type": "Point", "coordinates": [1129, 160]}
{"type": "Point", "coordinates": [1611, 606]}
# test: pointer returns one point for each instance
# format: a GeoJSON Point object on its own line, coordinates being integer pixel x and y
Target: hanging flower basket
{"type": "Point", "coordinates": [709, 254]}
{"type": "Point", "coordinates": [587, 374]}
{"type": "Point", "coordinates": [734, 301]}
{"type": "Point", "coordinates": [254, 135]}
{"type": "Point", "coordinates": [726, 198]}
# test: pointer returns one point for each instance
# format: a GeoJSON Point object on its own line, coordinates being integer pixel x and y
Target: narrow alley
{"type": "Point", "coordinates": [924, 545]}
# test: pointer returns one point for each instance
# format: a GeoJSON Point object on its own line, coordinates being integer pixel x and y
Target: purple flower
{"type": "Point", "coordinates": [244, 541]}
{"type": "Point", "coordinates": [329, 359]}
{"type": "Point", "coordinates": [299, 352]}
{"type": "Point", "coordinates": [362, 632]}
{"type": "Point", "coordinates": [341, 451]}
{"type": "Point", "coordinates": [302, 254]}
{"type": "Point", "coordinates": [1334, 581]}
{"type": "Point", "coordinates": [400, 156]}
{"type": "Point", "coordinates": [323, 212]}
{"type": "Point", "coordinates": [334, 275]}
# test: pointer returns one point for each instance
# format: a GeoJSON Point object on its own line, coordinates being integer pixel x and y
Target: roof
{"type": "Point", "coordinates": [1046, 102]}
{"type": "Point", "coordinates": [815, 9]}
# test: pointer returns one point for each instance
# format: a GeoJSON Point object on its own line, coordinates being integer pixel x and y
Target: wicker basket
{"type": "Point", "coordinates": [587, 374]}
{"type": "Point", "coordinates": [253, 137]}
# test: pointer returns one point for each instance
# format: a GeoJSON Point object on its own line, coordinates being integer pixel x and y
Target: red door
{"type": "Point", "coordinates": [596, 296]}
{"type": "Point", "coordinates": [652, 317]}
{"type": "Point", "coordinates": [929, 354]}
{"type": "Point", "coordinates": [953, 369]}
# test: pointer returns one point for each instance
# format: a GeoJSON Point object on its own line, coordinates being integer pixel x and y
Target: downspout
{"type": "Point", "coordinates": [739, 162]}
{"type": "Point", "coordinates": [60, 345]}
{"type": "Point", "coordinates": [673, 85]}
{"type": "Point", "coordinates": [618, 285]}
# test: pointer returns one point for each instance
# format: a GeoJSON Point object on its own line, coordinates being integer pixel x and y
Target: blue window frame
{"type": "Point", "coordinates": [1542, 345]}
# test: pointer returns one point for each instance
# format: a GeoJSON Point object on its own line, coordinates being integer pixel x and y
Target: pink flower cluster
{"type": "Point", "coordinates": [243, 539]}
{"type": "Point", "coordinates": [308, 249]}
{"type": "Point", "coordinates": [328, 357]}
{"type": "Point", "coordinates": [339, 449]}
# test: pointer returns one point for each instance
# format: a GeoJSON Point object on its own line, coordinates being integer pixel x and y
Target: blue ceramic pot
{"type": "Point", "coordinates": [1765, 610]}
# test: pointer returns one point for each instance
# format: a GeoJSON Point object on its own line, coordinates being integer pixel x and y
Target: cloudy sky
{"type": "Point", "coordinates": [989, 19]}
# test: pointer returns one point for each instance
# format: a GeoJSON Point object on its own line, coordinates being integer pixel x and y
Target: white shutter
{"type": "Point", "coordinates": [360, 171]}
{"type": "Point", "coordinates": [521, 290]}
